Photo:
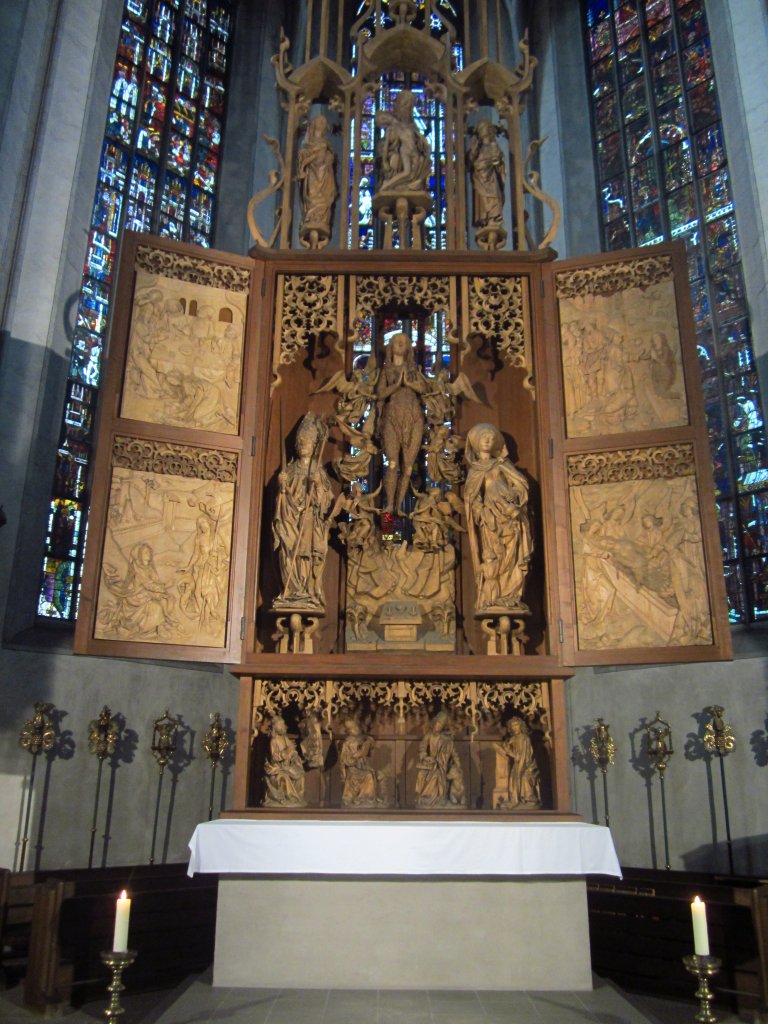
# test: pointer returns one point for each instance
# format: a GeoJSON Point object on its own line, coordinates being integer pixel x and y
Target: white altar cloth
{"type": "Point", "coordinates": [403, 847]}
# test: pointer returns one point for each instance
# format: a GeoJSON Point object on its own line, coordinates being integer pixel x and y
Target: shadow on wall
{"type": "Point", "coordinates": [750, 856]}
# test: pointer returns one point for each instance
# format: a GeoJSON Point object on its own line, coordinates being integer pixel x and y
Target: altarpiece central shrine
{"type": "Point", "coordinates": [400, 468]}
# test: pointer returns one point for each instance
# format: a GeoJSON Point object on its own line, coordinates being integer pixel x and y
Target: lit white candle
{"type": "Point", "coordinates": [700, 936]}
{"type": "Point", "coordinates": [120, 941]}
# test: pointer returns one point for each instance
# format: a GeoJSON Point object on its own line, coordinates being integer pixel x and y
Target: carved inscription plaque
{"type": "Point", "coordinates": [184, 354]}
{"type": "Point", "coordinates": [165, 568]}
{"type": "Point", "coordinates": [622, 366]}
{"type": "Point", "coordinates": [637, 545]}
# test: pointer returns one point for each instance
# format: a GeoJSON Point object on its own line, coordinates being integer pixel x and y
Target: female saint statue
{"type": "Point", "coordinates": [405, 152]}
{"type": "Point", "coordinates": [362, 783]}
{"type": "Point", "coordinates": [283, 770]}
{"type": "Point", "coordinates": [439, 775]}
{"type": "Point", "coordinates": [488, 170]}
{"type": "Point", "coordinates": [496, 502]}
{"type": "Point", "coordinates": [316, 174]}
{"type": "Point", "coordinates": [401, 417]}
{"type": "Point", "coordinates": [301, 524]}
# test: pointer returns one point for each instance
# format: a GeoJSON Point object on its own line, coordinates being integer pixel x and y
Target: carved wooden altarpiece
{"type": "Point", "coordinates": [402, 546]}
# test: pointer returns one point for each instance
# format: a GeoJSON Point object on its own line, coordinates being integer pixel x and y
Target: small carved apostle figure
{"type": "Point", "coordinates": [517, 775]}
{"type": "Point", "coordinates": [362, 783]}
{"type": "Point", "coordinates": [405, 152]}
{"type": "Point", "coordinates": [316, 174]}
{"type": "Point", "coordinates": [496, 501]}
{"type": "Point", "coordinates": [401, 417]}
{"type": "Point", "coordinates": [301, 524]}
{"type": "Point", "coordinates": [486, 164]}
{"type": "Point", "coordinates": [283, 770]}
{"type": "Point", "coordinates": [312, 740]}
{"type": "Point", "coordinates": [439, 775]}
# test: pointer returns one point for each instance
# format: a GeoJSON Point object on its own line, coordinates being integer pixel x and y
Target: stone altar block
{"type": "Point", "coordinates": [402, 904]}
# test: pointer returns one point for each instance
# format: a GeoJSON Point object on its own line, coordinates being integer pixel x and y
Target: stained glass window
{"type": "Point", "coordinates": [663, 173]}
{"type": "Point", "coordinates": [429, 117]}
{"type": "Point", "coordinates": [157, 173]}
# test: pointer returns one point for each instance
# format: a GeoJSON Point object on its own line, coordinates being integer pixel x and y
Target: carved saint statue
{"type": "Point", "coordinates": [496, 501]}
{"type": "Point", "coordinates": [301, 524]}
{"type": "Point", "coordinates": [401, 417]}
{"type": "Point", "coordinates": [439, 775]}
{"type": "Point", "coordinates": [312, 740]}
{"type": "Point", "coordinates": [405, 152]}
{"type": "Point", "coordinates": [362, 783]}
{"type": "Point", "coordinates": [488, 170]}
{"type": "Point", "coordinates": [283, 770]}
{"type": "Point", "coordinates": [517, 774]}
{"type": "Point", "coordinates": [316, 174]}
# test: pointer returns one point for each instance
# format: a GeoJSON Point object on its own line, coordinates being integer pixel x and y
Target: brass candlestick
{"type": "Point", "coordinates": [660, 751]}
{"type": "Point", "coordinates": [164, 731]}
{"type": "Point", "coordinates": [117, 963]}
{"type": "Point", "coordinates": [603, 751]}
{"type": "Point", "coordinates": [103, 736]}
{"type": "Point", "coordinates": [719, 739]}
{"type": "Point", "coordinates": [215, 746]}
{"type": "Point", "coordinates": [704, 967]}
{"type": "Point", "coordinates": [37, 734]}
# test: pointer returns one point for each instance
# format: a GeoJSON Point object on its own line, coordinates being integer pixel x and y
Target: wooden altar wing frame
{"type": "Point", "coordinates": [637, 583]}
{"type": "Point", "coordinates": [173, 466]}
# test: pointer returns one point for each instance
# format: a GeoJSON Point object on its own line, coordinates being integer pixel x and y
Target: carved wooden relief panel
{"type": "Point", "coordinates": [637, 548]}
{"type": "Point", "coordinates": [185, 350]}
{"type": "Point", "coordinates": [165, 568]}
{"type": "Point", "coordinates": [622, 364]}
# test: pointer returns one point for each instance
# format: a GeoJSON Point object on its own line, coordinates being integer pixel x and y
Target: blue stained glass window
{"type": "Point", "coordinates": [155, 124]}
{"type": "Point", "coordinates": [662, 172]}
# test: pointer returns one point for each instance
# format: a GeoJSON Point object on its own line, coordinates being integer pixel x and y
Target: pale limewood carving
{"type": "Point", "coordinates": [489, 174]}
{"type": "Point", "coordinates": [316, 174]}
{"type": "Point", "coordinates": [498, 311]}
{"type": "Point", "coordinates": [302, 522]}
{"type": "Point", "coordinates": [439, 774]}
{"type": "Point", "coordinates": [638, 554]}
{"type": "Point", "coordinates": [283, 769]}
{"type": "Point", "coordinates": [622, 364]}
{"type": "Point", "coordinates": [518, 780]}
{"type": "Point", "coordinates": [363, 784]}
{"type": "Point", "coordinates": [307, 307]}
{"type": "Point", "coordinates": [185, 351]}
{"type": "Point", "coordinates": [165, 567]}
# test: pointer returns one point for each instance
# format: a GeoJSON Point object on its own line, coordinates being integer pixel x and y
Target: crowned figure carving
{"type": "Point", "coordinates": [496, 501]}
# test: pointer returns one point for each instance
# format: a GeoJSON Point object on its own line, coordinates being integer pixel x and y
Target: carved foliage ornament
{"type": "Point", "coordinates": [496, 310]}
{"type": "Point", "coordinates": [196, 271]}
{"type": "Point", "coordinates": [662, 463]}
{"type": "Point", "coordinates": [374, 292]}
{"type": "Point", "coordinates": [174, 459]}
{"type": "Point", "coordinates": [308, 309]}
{"type": "Point", "coordinates": [331, 697]}
{"type": "Point", "coordinates": [613, 277]}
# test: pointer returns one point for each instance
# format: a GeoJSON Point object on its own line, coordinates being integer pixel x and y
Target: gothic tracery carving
{"type": "Point", "coordinates": [656, 463]}
{"type": "Point", "coordinates": [145, 456]}
{"type": "Point", "coordinates": [497, 311]}
{"type": "Point", "coordinates": [308, 308]}
{"type": "Point", "coordinates": [613, 277]}
{"type": "Point", "coordinates": [192, 269]}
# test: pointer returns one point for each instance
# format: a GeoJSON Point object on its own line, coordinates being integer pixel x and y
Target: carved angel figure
{"type": "Point", "coordinates": [401, 417]}
{"type": "Point", "coordinates": [486, 164]}
{"type": "Point", "coordinates": [442, 449]}
{"type": "Point", "coordinates": [301, 524]}
{"type": "Point", "coordinates": [354, 394]}
{"type": "Point", "coordinates": [496, 501]}
{"type": "Point", "coordinates": [283, 770]}
{"type": "Point", "coordinates": [362, 783]}
{"type": "Point", "coordinates": [432, 518]}
{"type": "Point", "coordinates": [518, 781]}
{"type": "Point", "coordinates": [316, 174]}
{"type": "Point", "coordinates": [360, 530]}
{"type": "Point", "coordinates": [439, 775]}
{"type": "Point", "coordinates": [405, 152]}
{"type": "Point", "coordinates": [440, 399]}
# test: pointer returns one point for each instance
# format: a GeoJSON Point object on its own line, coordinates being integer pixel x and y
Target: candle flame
{"type": "Point", "coordinates": [697, 899]}
{"type": "Point", "coordinates": [124, 895]}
